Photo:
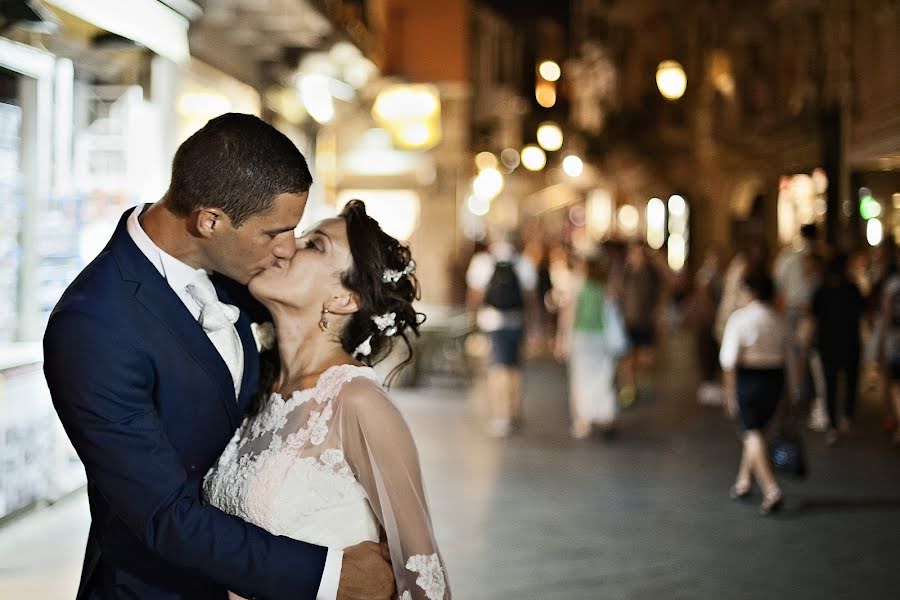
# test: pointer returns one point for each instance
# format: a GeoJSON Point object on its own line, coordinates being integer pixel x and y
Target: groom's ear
{"type": "Point", "coordinates": [208, 220]}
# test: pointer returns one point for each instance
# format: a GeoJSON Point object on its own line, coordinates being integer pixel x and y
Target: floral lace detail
{"type": "Point", "coordinates": [331, 461]}
{"type": "Point", "coordinates": [431, 575]}
{"type": "Point", "coordinates": [315, 431]}
{"type": "Point", "coordinates": [231, 483]}
{"type": "Point", "coordinates": [286, 470]}
{"type": "Point", "coordinates": [332, 380]}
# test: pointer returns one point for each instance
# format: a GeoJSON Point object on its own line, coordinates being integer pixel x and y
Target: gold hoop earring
{"type": "Point", "coordinates": [323, 322]}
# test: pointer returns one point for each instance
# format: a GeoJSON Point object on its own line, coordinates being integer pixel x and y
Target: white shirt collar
{"type": "Point", "coordinates": [175, 272]}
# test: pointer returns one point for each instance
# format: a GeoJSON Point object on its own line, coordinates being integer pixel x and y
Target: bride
{"type": "Point", "coordinates": [325, 457]}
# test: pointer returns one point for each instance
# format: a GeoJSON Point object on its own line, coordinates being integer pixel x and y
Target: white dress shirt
{"type": "Point", "coordinates": [754, 337]}
{"type": "Point", "coordinates": [179, 276]}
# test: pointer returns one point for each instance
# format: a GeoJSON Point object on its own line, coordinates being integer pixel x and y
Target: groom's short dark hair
{"type": "Point", "coordinates": [239, 164]}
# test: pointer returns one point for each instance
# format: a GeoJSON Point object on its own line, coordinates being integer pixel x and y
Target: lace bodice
{"type": "Point", "coordinates": [334, 465]}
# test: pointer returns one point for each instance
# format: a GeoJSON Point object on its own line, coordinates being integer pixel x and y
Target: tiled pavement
{"type": "Point", "coordinates": [541, 516]}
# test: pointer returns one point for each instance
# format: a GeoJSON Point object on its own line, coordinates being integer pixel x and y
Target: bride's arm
{"type": "Point", "coordinates": [379, 448]}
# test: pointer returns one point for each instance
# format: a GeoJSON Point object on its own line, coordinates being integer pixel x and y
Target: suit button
{"type": "Point", "coordinates": [193, 468]}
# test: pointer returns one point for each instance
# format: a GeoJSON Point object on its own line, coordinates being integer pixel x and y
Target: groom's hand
{"type": "Point", "coordinates": [366, 573]}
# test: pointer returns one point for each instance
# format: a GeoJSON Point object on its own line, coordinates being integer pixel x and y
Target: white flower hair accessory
{"type": "Point", "coordinates": [391, 276]}
{"type": "Point", "coordinates": [386, 323]}
{"type": "Point", "coordinates": [264, 335]}
{"type": "Point", "coordinates": [364, 349]}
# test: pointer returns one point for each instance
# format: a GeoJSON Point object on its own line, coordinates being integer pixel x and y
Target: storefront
{"type": "Point", "coordinates": [36, 460]}
{"type": "Point", "coordinates": [81, 139]}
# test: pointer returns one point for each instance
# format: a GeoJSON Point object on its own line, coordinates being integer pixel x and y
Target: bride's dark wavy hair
{"type": "Point", "coordinates": [374, 252]}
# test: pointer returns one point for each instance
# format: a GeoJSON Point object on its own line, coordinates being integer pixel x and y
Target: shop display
{"type": "Point", "coordinates": [26, 438]}
{"type": "Point", "coordinates": [11, 202]}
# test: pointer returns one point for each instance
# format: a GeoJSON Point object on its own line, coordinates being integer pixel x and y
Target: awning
{"type": "Point", "coordinates": [150, 23]}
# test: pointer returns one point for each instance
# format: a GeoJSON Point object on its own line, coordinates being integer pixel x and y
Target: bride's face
{"type": "Point", "coordinates": [313, 276]}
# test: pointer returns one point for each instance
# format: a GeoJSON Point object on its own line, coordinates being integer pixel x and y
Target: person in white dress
{"type": "Point", "coordinates": [591, 337]}
{"type": "Point", "coordinates": [326, 457]}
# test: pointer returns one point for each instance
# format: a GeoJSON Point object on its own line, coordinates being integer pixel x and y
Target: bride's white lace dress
{"type": "Point", "coordinates": [334, 465]}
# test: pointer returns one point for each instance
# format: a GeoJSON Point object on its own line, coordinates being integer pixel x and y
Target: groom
{"type": "Point", "coordinates": [151, 371]}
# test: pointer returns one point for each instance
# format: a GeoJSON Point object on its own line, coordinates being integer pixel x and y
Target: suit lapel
{"type": "Point", "coordinates": [251, 364]}
{"type": "Point", "coordinates": [155, 294]}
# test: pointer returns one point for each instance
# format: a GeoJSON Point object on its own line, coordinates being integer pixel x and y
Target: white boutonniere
{"type": "Point", "coordinates": [264, 334]}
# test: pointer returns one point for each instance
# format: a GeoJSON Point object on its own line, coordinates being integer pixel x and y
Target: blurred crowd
{"type": "Point", "coordinates": [792, 337]}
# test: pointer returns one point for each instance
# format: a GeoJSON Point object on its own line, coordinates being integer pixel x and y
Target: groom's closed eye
{"type": "Point", "coordinates": [276, 232]}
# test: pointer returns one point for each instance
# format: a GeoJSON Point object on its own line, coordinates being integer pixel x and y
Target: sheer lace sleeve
{"type": "Point", "coordinates": [380, 450]}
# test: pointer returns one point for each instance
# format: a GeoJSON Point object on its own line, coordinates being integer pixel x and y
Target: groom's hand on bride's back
{"type": "Point", "coordinates": [366, 573]}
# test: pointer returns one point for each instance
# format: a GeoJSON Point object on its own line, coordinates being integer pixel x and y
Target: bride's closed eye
{"type": "Point", "coordinates": [313, 244]}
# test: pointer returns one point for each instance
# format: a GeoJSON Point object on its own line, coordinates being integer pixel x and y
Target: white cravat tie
{"type": "Point", "coordinates": [217, 320]}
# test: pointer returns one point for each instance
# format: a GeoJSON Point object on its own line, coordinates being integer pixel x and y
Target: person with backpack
{"type": "Point", "coordinates": [502, 285]}
{"type": "Point", "coordinates": [591, 339]}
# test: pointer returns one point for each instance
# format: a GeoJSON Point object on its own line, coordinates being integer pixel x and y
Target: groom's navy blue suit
{"type": "Point", "coordinates": [149, 405]}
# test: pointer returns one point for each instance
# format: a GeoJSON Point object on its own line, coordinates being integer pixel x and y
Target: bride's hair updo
{"type": "Point", "coordinates": [383, 280]}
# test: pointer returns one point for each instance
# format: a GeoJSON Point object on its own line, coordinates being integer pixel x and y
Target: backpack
{"type": "Point", "coordinates": [503, 291]}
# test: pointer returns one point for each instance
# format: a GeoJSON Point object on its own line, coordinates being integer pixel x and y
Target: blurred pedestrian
{"type": "Point", "coordinates": [838, 307]}
{"type": "Point", "coordinates": [502, 285]}
{"type": "Point", "coordinates": [591, 338]}
{"type": "Point", "coordinates": [641, 294]}
{"type": "Point", "coordinates": [795, 287]}
{"type": "Point", "coordinates": [750, 258]}
{"type": "Point", "coordinates": [890, 332]}
{"type": "Point", "coordinates": [704, 301]}
{"type": "Point", "coordinates": [886, 331]}
{"type": "Point", "coordinates": [752, 358]}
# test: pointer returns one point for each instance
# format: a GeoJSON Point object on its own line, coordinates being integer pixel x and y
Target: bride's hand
{"type": "Point", "coordinates": [233, 596]}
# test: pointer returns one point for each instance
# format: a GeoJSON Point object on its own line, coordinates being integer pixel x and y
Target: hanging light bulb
{"type": "Point", "coordinates": [656, 223]}
{"type": "Point", "coordinates": [573, 166]}
{"type": "Point", "coordinates": [549, 70]}
{"type": "Point", "coordinates": [489, 183]}
{"type": "Point", "coordinates": [671, 79]}
{"type": "Point", "coordinates": [485, 160]}
{"type": "Point", "coordinates": [545, 94]}
{"type": "Point", "coordinates": [510, 158]}
{"type": "Point", "coordinates": [550, 136]}
{"type": "Point", "coordinates": [533, 158]}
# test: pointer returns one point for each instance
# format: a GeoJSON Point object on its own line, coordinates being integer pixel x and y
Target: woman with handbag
{"type": "Point", "coordinates": [752, 356]}
{"type": "Point", "coordinates": [591, 337]}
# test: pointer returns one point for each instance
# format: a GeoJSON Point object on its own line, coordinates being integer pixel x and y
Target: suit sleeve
{"type": "Point", "coordinates": [102, 390]}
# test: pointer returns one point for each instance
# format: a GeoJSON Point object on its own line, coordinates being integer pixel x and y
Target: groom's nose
{"type": "Point", "coordinates": [285, 247]}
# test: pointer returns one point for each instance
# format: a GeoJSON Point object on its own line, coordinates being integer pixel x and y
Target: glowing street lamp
{"type": "Point", "coordinates": [671, 79]}
{"type": "Point", "coordinates": [411, 114]}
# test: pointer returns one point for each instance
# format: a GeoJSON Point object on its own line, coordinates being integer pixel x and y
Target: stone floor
{"type": "Point", "coordinates": [541, 516]}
